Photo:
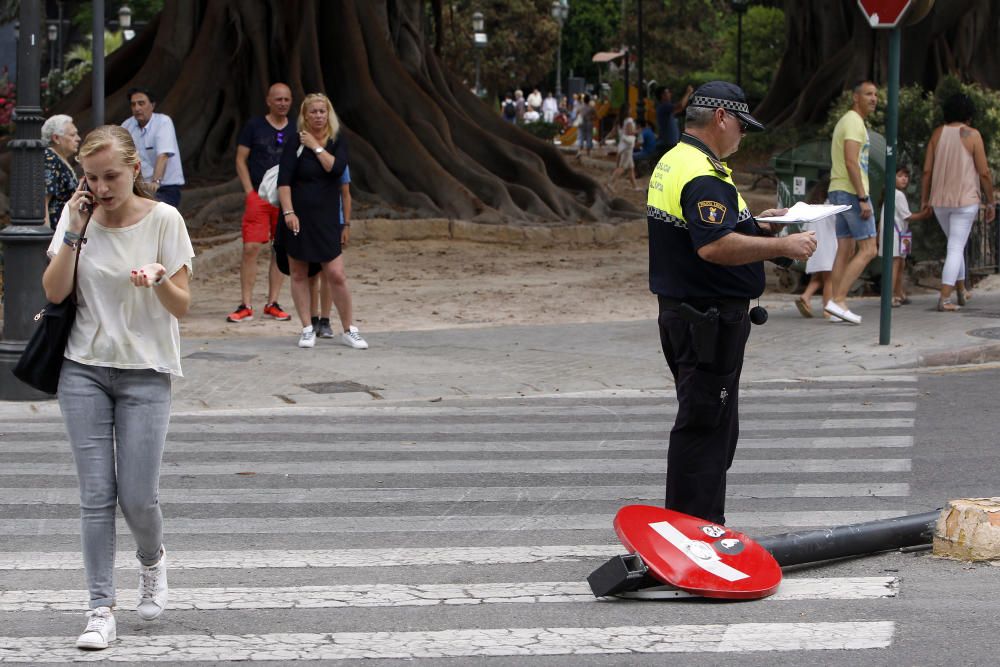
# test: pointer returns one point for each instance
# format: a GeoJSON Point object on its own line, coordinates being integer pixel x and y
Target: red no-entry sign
{"type": "Point", "coordinates": [884, 13]}
{"type": "Point", "coordinates": [696, 555]}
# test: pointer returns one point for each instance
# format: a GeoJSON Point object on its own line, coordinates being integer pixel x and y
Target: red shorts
{"type": "Point", "coordinates": [260, 220]}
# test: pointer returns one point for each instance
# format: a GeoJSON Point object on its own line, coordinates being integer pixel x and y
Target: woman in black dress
{"type": "Point", "coordinates": [309, 193]}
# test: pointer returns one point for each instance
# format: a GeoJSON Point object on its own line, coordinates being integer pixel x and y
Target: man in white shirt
{"type": "Point", "coordinates": [550, 107]}
{"type": "Point", "coordinates": [535, 99]}
{"type": "Point", "coordinates": [156, 142]}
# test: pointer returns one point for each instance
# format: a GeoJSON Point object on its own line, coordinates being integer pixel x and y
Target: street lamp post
{"type": "Point", "coordinates": [560, 11]}
{"type": "Point", "coordinates": [25, 239]}
{"type": "Point", "coordinates": [53, 35]}
{"type": "Point", "coordinates": [479, 42]}
{"type": "Point", "coordinates": [740, 7]}
{"type": "Point", "coordinates": [97, 53]}
{"type": "Point", "coordinates": [125, 22]}
{"type": "Point", "coordinates": [640, 108]}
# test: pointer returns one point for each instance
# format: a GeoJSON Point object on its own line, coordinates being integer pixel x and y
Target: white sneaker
{"type": "Point", "coordinates": [842, 313]}
{"type": "Point", "coordinates": [101, 629]}
{"type": "Point", "coordinates": [153, 589]}
{"type": "Point", "coordinates": [351, 338]}
{"type": "Point", "coordinates": [308, 338]}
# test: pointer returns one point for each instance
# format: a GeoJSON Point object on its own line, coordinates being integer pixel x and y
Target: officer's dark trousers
{"type": "Point", "coordinates": [703, 439]}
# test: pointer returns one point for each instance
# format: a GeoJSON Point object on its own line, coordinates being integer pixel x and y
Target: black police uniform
{"type": "Point", "coordinates": [692, 202]}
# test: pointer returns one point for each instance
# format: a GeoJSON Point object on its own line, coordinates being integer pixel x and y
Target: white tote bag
{"type": "Point", "coordinates": [268, 189]}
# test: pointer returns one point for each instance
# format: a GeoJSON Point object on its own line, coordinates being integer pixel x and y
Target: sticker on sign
{"type": "Point", "coordinates": [884, 13]}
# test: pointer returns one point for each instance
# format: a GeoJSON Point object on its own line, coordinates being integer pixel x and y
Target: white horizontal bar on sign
{"type": "Point", "coordinates": [457, 643]}
{"type": "Point", "coordinates": [475, 466]}
{"type": "Point", "coordinates": [420, 524]}
{"type": "Point", "coordinates": [418, 595]}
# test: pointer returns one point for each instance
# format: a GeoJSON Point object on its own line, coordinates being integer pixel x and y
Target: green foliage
{"type": "Point", "coordinates": [542, 130]}
{"type": "Point", "coordinates": [83, 54]}
{"type": "Point", "coordinates": [986, 118]}
{"type": "Point", "coordinates": [8, 99]}
{"type": "Point", "coordinates": [143, 11]}
{"type": "Point", "coordinates": [592, 26]}
{"type": "Point", "coordinates": [521, 47]}
{"type": "Point", "coordinates": [920, 112]}
{"type": "Point", "coordinates": [682, 37]}
{"type": "Point", "coordinates": [763, 46]}
{"type": "Point", "coordinates": [79, 63]}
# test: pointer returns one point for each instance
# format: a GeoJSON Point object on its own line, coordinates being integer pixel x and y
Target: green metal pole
{"type": "Point", "coordinates": [889, 207]}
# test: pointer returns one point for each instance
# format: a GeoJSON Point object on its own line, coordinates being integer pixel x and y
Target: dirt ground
{"type": "Point", "coordinates": [404, 285]}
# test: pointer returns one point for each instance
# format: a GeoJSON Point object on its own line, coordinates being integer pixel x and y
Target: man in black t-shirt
{"type": "Point", "coordinates": [258, 149]}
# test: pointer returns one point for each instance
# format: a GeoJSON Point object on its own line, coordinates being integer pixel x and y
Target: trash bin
{"type": "Point", "coordinates": [798, 170]}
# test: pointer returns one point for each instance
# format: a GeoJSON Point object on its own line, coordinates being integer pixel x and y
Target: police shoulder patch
{"type": "Point", "coordinates": [711, 212]}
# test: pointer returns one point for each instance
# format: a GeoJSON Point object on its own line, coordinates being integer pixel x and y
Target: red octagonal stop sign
{"type": "Point", "coordinates": [884, 13]}
{"type": "Point", "coordinates": [696, 555]}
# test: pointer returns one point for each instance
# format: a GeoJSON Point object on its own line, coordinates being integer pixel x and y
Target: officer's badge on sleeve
{"type": "Point", "coordinates": [711, 212]}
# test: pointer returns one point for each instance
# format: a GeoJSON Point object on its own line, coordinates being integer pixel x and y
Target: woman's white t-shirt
{"type": "Point", "coordinates": [117, 324]}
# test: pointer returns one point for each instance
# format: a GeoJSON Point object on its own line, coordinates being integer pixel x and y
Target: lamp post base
{"type": "Point", "coordinates": [12, 389]}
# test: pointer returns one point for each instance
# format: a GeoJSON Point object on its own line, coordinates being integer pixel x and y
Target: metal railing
{"type": "Point", "coordinates": [982, 252]}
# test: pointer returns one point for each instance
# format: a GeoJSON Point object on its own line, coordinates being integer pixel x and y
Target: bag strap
{"type": "Point", "coordinates": [79, 247]}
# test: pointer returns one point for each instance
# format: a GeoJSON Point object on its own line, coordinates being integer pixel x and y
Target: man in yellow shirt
{"type": "Point", "coordinates": [857, 240]}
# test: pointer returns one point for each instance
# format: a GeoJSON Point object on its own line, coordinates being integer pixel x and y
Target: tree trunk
{"type": "Point", "coordinates": [418, 139]}
{"type": "Point", "coordinates": [830, 46]}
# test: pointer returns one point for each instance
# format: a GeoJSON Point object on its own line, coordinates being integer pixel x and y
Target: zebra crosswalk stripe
{"type": "Point", "coordinates": [421, 595]}
{"type": "Point", "coordinates": [574, 438]}
{"type": "Point", "coordinates": [629, 639]}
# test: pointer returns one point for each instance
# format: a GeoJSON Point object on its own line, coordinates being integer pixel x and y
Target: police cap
{"type": "Point", "coordinates": [730, 97]}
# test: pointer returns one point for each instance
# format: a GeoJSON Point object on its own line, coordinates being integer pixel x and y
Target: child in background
{"type": "Point", "coordinates": [821, 263]}
{"type": "Point", "coordinates": [902, 237]}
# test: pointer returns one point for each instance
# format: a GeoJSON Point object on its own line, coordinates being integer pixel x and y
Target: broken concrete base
{"type": "Point", "coordinates": [969, 529]}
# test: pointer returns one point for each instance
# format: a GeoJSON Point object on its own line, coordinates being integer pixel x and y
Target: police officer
{"type": "Point", "coordinates": [706, 255]}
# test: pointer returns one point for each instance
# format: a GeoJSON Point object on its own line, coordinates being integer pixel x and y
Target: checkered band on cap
{"type": "Point", "coordinates": [715, 102]}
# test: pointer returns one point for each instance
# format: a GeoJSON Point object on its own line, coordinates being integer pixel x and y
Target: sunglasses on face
{"type": "Point", "coordinates": [743, 124]}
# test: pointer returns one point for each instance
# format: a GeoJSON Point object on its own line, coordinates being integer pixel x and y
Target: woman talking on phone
{"type": "Point", "coordinates": [114, 388]}
{"type": "Point", "coordinates": [309, 192]}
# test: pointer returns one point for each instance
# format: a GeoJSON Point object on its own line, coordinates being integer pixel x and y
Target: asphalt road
{"type": "Point", "coordinates": [461, 532]}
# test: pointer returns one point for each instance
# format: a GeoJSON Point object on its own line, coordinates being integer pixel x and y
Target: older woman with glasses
{"type": "Point", "coordinates": [62, 141]}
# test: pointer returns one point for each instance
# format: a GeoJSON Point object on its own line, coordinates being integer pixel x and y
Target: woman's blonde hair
{"type": "Point", "coordinates": [332, 122]}
{"type": "Point", "coordinates": [117, 139]}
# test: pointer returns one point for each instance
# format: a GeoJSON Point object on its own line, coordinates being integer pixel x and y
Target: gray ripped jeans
{"type": "Point", "coordinates": [117, 425]}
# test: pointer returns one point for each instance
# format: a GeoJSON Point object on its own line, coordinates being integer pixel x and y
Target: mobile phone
{"type": "Point", "coordinates": [88, 207]}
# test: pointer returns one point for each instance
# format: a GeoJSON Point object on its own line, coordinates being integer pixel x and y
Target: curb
{"type": "Point", "coordinates": [225, 256]}
{"type": "Point", "coordinates": [600, 233]}
{"type": "Point", "coordinates": [977, 354]}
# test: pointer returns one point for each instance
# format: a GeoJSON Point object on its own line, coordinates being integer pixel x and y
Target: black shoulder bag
{"type": "Point", "coordinates": [42, 358]}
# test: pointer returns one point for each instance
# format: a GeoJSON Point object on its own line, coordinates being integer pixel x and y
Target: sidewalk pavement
{"type": "Point", "coordinates": [512, 361]}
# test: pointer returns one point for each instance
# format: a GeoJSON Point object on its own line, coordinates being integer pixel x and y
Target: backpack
{"type": "Point", "coordinates": [509, 110]}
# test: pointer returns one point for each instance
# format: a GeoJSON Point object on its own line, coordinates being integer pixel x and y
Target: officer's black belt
{"type": "Point", "coordinates": [723, 303]}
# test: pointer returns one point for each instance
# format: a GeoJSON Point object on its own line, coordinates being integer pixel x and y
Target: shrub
{"type": "Point", "coordinates": [7, 102]}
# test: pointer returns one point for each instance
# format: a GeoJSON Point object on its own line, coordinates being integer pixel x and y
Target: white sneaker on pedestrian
{"type": "Point", "coordinates": [153, 589]}
{"type": "Point", "coordinates": [101, 629]}
{"type": "Point", "coordinates": [308, 338]}
{"type": "Point", "coordinates": [842, 313]}
{"type": "Point", "coordinates": [351, 338]}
